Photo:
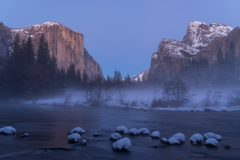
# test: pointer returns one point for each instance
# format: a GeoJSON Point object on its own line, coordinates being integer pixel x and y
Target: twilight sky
{"type": "Point", "coordinates": [121, 34]}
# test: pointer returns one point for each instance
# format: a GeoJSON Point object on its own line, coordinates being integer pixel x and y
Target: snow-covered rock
{"type": "Point", "coordinates": [155, 135]}
{"type": "Point", "coordinates": [212, 135]}
{"type": "Point", "coordinates": [211, 142]}
{"type": "Point", "coordinates": [172, 141]}
{"type": "Point", "coordinates": [84, 142]}
{"type": "Point", "coordinates": [133, 131]}
{"type": "Point", "coordinates": [144, 131]}
{"type": "Point", "coordinates": [115, 136]}
{"type": "Point", "coordinates": [196, 138]}
{"type": "Point", "coordinates": [123, 144]}
{"type": "Point", "coordinates": [179, 136]}
{"type": "Point", "coordinates": [74, 138]}
{"type": "Point", "coordinates": [78, 130]}
{"type": "Point", "coordinates": [8, 130]}
{"type": "Point", "coordinates": [25, 135]}
{"type": "Point", "coordinates": [122, 129]}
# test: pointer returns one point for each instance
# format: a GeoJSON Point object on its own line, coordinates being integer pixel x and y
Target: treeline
{"type": "Point", "coordinates": [26, 74]}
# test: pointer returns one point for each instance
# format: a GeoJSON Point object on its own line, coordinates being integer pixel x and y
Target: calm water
{"type": "Point", "coordinates": [49, 127]}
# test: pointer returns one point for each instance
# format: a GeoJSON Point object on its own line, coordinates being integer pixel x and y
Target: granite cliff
{"type": "Point", "coordinates": [65, 44]}
{"type": "Point", "coordinates": [201, 41]}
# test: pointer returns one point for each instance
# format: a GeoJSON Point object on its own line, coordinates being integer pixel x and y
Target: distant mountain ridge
{"type": "Point", "coordinates": [65, 44]}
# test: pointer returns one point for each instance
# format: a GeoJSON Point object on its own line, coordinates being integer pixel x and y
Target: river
{"type": "Point", "coordinates": [49, 126]}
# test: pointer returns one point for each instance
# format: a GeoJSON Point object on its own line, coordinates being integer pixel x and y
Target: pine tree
{"type": "Point", "coordinates": [43, 57]}
{"type": "Point", "coordinates": [127, 80]}
{"type": "Point", "coordinates": [28, 52]}
{"type": "Point", "coordinates": [14, 70]}
{"type": "Point", "coordinates": [44, 73]}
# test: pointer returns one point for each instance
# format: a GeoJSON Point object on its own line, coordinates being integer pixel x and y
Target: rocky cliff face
{"type": "Point", "coordinates": [5, 40]}
{"type": "Point", "coordinates": [201, 41]}
{"type": "Point", "coordinates": [65, 44]}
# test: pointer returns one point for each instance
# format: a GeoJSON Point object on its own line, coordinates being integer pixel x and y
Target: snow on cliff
{"type": "Point", "coordinates": [141, 77]}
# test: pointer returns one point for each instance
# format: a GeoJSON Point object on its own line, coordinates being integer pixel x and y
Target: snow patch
{"type": "Point", "coordinates": [201, 34]}
{"type": "Point", "coordinates": [141, 77]}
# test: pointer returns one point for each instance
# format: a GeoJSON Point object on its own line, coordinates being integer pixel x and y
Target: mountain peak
{"type": "Point", "coordinates": [200, 34]}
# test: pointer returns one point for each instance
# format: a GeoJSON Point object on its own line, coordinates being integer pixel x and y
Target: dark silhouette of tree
{"type": "Point", "coordinates": [175, 92]}
{"type": "Point", "coordinates": [117, 80]}
{"type": "Point", "coordinates": [43, 57]}
{"type": "Point", "coordinates": [127, 80]}
{"type": "Point", "coordinates": [14, 70]}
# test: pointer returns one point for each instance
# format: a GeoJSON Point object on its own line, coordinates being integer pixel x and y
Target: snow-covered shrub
{"type": "Point", "coordinates": [78, 130]}
{"type": "Point", "coordinates": [175, 94]}
{"type": "Point", "coordinates": [196, 138]}
{"type": "Point", "coordinates": [122, 129]}
{"type": "Point", "coordinates": [211, 142]}
{"type": "Point", "coordinates": [123, 144]}
{"type": "Point", "coordinates": [115, 136]}
{"type": "Point", "coordinates": [234, 99]}
{"type": "Point", "coordinates": [212, 100]}
{"type": "Point", "coordinates": [144, 131]}
{"type": "Point", "coordinates": [159, 103]}
{"type": "Point", "coordinates": [74, 138]}
{"type": "Point", "coordinates": [8, 130]}
{"type": "Point", "coordinates": [133, 131]}
{"type": "Point", "coordinates": [155, 135]}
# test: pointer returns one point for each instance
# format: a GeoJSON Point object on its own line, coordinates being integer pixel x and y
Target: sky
{"type": "Point", "coordinates": [121, 34]}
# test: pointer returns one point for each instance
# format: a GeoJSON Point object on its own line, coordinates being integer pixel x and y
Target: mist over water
{"type": "Point", "coordinates": [141, 97]}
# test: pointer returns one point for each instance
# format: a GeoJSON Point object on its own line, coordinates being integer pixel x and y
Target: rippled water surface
{"type": "Point", "coordinates": [49, 126]}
